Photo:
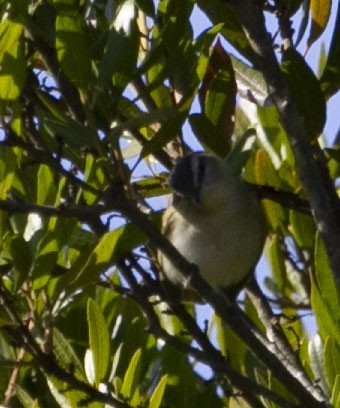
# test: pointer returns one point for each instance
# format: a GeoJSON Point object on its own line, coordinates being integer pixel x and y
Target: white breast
{"type": "Point", "coordinates": [221, 244]}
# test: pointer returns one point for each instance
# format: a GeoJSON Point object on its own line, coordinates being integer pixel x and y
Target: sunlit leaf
{"type": "Point", "coordinates": [99, 340]}
{"type": "Point", "coordinates": [12, 59]}
{"type": "Point", "coordinates": [320, 11]}
{"type": "Point", "coordinates": [132, 375]}
{"type": "Point", "coordinates": [315, 350]}
{"type": "Point", "coordinates": [157, 395]}
{"type": "Point", "coordinates": [331, 360]}
{"type": "Point", "coordinates": [324, 295]}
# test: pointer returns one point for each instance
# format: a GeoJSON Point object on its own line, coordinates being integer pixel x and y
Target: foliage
{"type": "Point", "coordinates": [96, 102]}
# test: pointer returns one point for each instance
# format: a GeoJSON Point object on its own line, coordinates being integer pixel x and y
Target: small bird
{"type": "Point", "coordinates": [215, 221]}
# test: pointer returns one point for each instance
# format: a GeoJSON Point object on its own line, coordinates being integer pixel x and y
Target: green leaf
{"type": "Point", "coordinates": [68, 397]}
{"type": "Point", "coordinates": [208, 135]}
{"type": "Point", "coordinates": [241, 151]}
{"type": "Point", "coordinates": [303, 228]}
{"type": "Point", "coordinates": [331, 360]}
{"type": "Point", "coordinates": [315, 351]}
{"type": "Point", "coordinates": [111, 246]}
{"type": "Point", "coordinates": [324, 295]}
{"type": "Point", "coordinates": [168, 131]}
{"type": "Point", "coordinates": [265, 173]}
{"type": "Point", "coordinates": [65, 355]}
{"type": "Point", "coordinates": [21, 257]}
{"type": "Point", "coordinates": [306, 91]}
{"type": "Point", "coordinates": [95, 170]}
{"type": "Point", "coordinates": [132, 376]}
{"type": "Point", "coordinates": [99, 340]}
{"type": "Point", "coordinates": [25, 399]}
{"type": "Point", "coordinates": [120, 57]}
{"type": "Point", "coordinates": [157, 395]}
{"type": "Point", "coordinates": [12, 60]}
{"type": "Point", "coordinates": [335, 400]}
{"type": "Point", "coordinates": [218, 94]}
{"type": "Point", "coordinates": [73, 49]}
{"type": "Point", "coordinates": [320, 12]}
{"type": "Point", "coordinates": [251, 84]}
{"type": "Point", "coordinates": [330, 79]}
{"type": "Point", "coordinates": [56, 121]}
{"type": "Point", "coordinates": [46, 186]}
{"type": "Point", "coordinates": [223, 12]}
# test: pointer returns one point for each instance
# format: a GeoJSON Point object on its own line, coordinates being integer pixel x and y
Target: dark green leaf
{"type": "Point", "coordinates": [73, 49]}
{"type": "Point", "coordinates": [330, 79]}
{"type": "Point", "coordinates": [168, 131]}
{"type": "Point", "coordinates": [120, 57]}
{"type": "Point", "coordinates": [65, 354]}
{"type": "Point", "coordinates": [306, 91]}
{"type": "Point", "coordinates": [223, 12]}
{"type": "Point", "coordinates": [208, 134]}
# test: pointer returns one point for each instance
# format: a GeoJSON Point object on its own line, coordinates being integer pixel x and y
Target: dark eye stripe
{"type": "Point", "coordinates": [198, 171]}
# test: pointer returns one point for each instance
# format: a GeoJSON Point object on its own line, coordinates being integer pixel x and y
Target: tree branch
{"type": "Point", "coordinates": [208, 354]}
{"type": "Point", "coordinates": [295, 380]}
{"type": "Point", "coordinates": [47, 362]}
{"type": "Point", "coordinates": [312, 170]}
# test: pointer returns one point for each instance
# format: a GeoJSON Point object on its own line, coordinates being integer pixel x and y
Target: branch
{"type": "Point", "coordinates": [47, 362]}
{"type": "Point", "coordinates": [209, 355]}
{"type": "Point", "coordinates": [296, 381]}
{"type": "Point", "coordinates": [312, 170]}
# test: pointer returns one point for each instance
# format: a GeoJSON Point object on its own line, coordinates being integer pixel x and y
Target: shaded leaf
{"type": "Point", "coordinates": [65, 355]}
{"type": "Point", "coordinates": [208, 134]}
{"type": "Point", "coordinates": [73, 49]}
{"type": "Point", "coordinates": [306, 91]}
{"type": "Point", "coordinates": [223, 12]}
{"type": "Point", "coordinates": [330, 79]}
{"type": "Point", "coordinates": [168, 131]}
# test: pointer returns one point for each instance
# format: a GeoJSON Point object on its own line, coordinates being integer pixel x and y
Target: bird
{"type": "Point", "coordinates": [216, 221]}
